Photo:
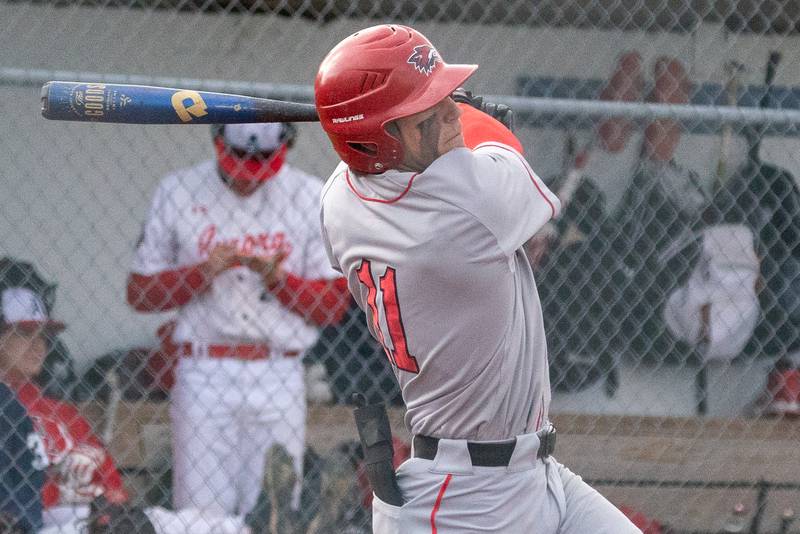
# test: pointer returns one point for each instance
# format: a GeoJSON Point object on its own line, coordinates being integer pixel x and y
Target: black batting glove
{"type": "Point", "coordinates": [500, 112]}
{"type": "Point", "coordinates": [463, 96]}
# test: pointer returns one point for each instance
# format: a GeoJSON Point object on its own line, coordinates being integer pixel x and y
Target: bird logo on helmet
{"type": "Point", "coordinates": [424, 59]}
{"type": "Point", "coordinates": [372, 78]}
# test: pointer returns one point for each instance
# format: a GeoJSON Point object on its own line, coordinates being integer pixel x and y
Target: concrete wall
{"type": "Point", "coordinates": [74, 195]}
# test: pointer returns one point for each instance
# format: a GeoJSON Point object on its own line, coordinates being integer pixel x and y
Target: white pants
{"type": "Point", "coordinates": [225, 415]}
{"type": "Point", "coordinates": [447, 495]}
{"type": "Point", "coordinates": [193, 521]}
{"type": "Point", "coordinates": [187, 521]}
{"type": "Point", "coordinates": [55, 517]}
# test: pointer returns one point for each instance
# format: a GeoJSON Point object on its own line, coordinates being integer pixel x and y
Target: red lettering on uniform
{"type": "Point", "coordinates": [206, 240]}
{"type": "Point", "coordinates": [249, 244]}
{"type": "Point", "coordinates": [260, 243]}
{"type": "Point", "coordinates": [263, 240]}
{"type": "Point", "coordinates": [278, 241]}
{"type": "Point", "coordinates": [399, 354]}
{"type": "Point", "coordinates": [365, 277]}
{"type": "Point", "coordinates": [394, 321]}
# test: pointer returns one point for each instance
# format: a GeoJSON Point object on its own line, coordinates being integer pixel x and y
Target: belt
{"type": "Point", "coordinates": [239, 352]}
{"type": "Point", "coordinates": [485, 454]}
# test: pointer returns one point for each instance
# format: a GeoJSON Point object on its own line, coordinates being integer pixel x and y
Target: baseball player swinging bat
{"type": "Point", "coordinates": [141, 104]}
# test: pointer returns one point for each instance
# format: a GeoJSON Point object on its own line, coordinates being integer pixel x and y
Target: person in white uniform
{"type": "Point", "coordinates": [427, 224]}
{"type": "Point", "coordinates": [233, 245]}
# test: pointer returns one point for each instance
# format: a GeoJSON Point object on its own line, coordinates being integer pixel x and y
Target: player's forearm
{"type": "Point", "coordinates": [322, 302]}
{"type": "Point", "coordinates": [166, 290]}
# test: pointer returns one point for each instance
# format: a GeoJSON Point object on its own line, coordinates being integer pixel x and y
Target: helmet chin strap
{"type": "Point", "coordinates": [249, 169]}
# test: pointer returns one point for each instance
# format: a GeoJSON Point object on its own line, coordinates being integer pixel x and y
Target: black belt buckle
{"type": "Point", "coordinates": [547, 441]}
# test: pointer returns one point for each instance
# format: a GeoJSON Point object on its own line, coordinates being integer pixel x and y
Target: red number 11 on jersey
{"type": "Point", "coordinates": [400, 357]}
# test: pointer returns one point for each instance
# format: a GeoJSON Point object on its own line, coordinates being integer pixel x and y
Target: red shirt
{"type": "Point", "coordinates": [63, 428]}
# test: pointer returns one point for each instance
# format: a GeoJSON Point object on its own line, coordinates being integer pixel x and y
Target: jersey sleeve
{"type": "Point", "coordinates": [318, 263]}
{"type": "Point", "coordinates": [326, 242]}
{"type": "Point", "coordinates": [156, 249]}
{"type": "Point", "coordinates": [508, 197]}
{"type": "Point", "coordinates": [332, 261]}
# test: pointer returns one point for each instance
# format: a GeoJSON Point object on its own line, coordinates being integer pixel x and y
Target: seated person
{"type": "Point", "coordinates": [767, 198]}
{"type": "Point", "coordinates": [625, 201]}
{"type": "Point", "coordinates": [79, 469]}
{"type": "Point", "coordinates": [21, 464]}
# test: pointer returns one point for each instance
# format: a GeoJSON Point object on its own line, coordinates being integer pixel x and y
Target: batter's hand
{"type": "Point", "coordinates": [500, 112]}
{"type": "Point", "coordinates": [220, 258]}
{"type": "Point", "coordinates": [269, 267]}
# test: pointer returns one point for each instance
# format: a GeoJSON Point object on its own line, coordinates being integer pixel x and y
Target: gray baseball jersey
{"type": "Point", "coordinates": [435, 261]}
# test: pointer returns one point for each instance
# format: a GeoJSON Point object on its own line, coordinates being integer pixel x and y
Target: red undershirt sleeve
{"type": "Point", "coordinates": [322, 301]}
{"type": "Point", "coordinates": [478, 127]}
{"type": "Point", "coordinates": [165, 290]}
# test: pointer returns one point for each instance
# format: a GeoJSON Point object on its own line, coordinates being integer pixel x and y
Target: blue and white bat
{"type": "Point", "coordinates": [141, 104]}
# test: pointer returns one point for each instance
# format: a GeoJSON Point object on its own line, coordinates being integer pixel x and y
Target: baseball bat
{"type": "Point", "coordinates": [114, 398]}
{"type": "Point", "coordinates": [733, 71]}
{"type": "Point", "coordinates": [141, 104]}
{"type": "Point", "coordinates": [757, 134]}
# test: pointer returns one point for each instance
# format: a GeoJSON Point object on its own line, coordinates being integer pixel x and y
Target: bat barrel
{"type": "Point", "coordinates": [139, 104]}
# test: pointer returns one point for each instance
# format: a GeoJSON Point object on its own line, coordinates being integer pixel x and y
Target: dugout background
{"type": "Point", "coordinates": [66, 181]}
{"type": "Point", "coordinates": [75, 195]}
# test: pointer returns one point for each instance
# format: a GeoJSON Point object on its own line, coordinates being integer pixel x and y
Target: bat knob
{"type": "Point", "coordinates": [358, 399]}
{"type": "Point", "coordinates": [45, 96]}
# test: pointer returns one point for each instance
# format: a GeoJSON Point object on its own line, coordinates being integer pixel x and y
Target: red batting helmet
{"type": "Point", "coordinates": [373, 77]}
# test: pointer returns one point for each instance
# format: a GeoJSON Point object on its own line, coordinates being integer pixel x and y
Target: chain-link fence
{"type": "Point", "coordinates": [670, 283]}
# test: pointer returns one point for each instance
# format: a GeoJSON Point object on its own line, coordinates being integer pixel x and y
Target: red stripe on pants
{"type": "Point", "coordinates": [438, 502]}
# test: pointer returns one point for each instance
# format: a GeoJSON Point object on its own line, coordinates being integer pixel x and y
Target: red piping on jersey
{"type": "Point", "coordinates": [322, 302]}
{"type": "Point", "coordinates": [165, 290]}
{"type": "Point", "coordinates": [524, 164]}
{"type": "Point", "coordinates": [382, 201]}
{"type": "Point", "coordinates": [438, 502]}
